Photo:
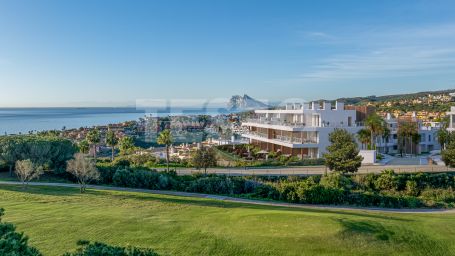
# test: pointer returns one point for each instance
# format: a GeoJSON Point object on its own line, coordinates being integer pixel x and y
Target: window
{"type": "Point", "coordinates": [316, 120]}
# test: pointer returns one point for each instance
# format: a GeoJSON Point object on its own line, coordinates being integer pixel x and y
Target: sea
{"type": "Point", "coordinates": [25, 120]}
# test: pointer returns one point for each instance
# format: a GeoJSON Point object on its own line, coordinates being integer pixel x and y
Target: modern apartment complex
{"type": "Point", "coordinates": [427, 131]}
{"type": "Point", "coordinates": [299, 129]}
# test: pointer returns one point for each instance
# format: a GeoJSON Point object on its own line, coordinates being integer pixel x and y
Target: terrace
{"type": "Point", "coordinates": [310, 139]}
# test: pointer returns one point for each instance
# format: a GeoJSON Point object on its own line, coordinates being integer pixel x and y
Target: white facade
{"type": "Point", "coordinates": [427, 131]}
{"type": "Point", "coordinates": [451, 115]}
{"type": "Point", "coordinates": [299, 129]}
{"type": "Point", "coordinates": [369, 156]}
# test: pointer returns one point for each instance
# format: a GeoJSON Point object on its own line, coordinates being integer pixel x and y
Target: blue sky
{"type": "Point", "coordinates": [95, 52]}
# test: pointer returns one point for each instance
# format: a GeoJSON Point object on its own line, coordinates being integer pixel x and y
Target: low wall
{"type": "Point", "coordinates": [369, 156]}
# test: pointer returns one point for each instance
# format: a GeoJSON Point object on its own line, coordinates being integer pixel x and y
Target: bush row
{"type": "Point", "coordinates": [377, 190]}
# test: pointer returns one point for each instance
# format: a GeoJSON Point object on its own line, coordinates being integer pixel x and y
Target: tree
{"type": "Point", "coordinates": [364, 136]}
{"type": "Point", "coordinates": [111, 141]}
{"type": "Point", "coordinates": [408, 136]}
{"type": "Point", "coordinates": [93, 138]}
{"type": "Point", "coordinates": [9, 152]}
{"type": "Point", "coordinates": [83, 169]}
{"type": "Point", "coordinates": [49, 151]}
{"type": "Point", "coordinates": [84, 147]}
{"type": "Point", "coordinates": [26, 171]}
{"type": "Point", "coordinates": [385, 135]}
{"type": "Point", "coordinates": [448, 152]}
{"type": "Point", "coordinates": [376, 125]}
{"type": "Point", "coordinates": [126, 145]}
{"type": "Point", "coordinates": [343, 154]}
{"type": "Point", "coordinates": [204, 158]}
{"type": "Point", "coordinates": [443, 137]}
{"type": "Point", "coordinates": [13, 243]}
{"type": "Point", "coordinates": [165, 138]}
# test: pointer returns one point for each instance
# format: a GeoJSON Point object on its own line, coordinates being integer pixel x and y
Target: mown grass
{"type": "Point", "coordinates": [55, 218]}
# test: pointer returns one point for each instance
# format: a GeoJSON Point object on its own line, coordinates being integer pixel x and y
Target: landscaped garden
{"type": "Point", "coordinates": [252, 156]}
{"type": "Point", "coordinates": [56, 218]}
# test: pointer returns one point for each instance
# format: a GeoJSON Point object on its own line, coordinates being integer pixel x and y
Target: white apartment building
{"type": "Point", "coordinates": [451, 115]}
{"type": "Point", "coordinates": [428, 137]}
{"type": "Point", "coordinates": [299, 129]}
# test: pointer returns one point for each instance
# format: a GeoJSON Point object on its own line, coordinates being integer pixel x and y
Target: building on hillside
{"type": "Point", "coordinates": [391, 144]}
{"type": "Point", "coordinates": [299, 129]}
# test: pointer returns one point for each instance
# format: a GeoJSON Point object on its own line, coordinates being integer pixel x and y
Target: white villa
{"type": "Point", "coordinates": [299, 129]}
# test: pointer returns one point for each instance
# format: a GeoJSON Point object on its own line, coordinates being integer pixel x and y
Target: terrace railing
{"type": "Point", "coordinates": [297, 140]}
{"type": "Point", "coordinates": [274, 122]}
{"type": "Point", "coordinates": [287, 139]}
{"type": "Point", "coordinates": [298, 124]}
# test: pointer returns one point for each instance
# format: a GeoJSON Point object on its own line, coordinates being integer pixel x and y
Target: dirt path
{"type": "Point", "coordinates": [236, 200]}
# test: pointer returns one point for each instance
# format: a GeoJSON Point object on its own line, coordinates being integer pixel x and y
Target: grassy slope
{"type": "Point", "coordinates": [55, 218]}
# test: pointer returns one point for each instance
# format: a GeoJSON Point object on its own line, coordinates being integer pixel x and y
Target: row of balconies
{"type": "Point", "coordinates": [274, 122]}
{"type": "Point", "coordinates": [299, 124]}
{"type": "Point", "coordinates": [293, 140]}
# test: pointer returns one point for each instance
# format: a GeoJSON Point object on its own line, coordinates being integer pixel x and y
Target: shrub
{"type": "Point", "coordinates": [386, 181]}
{"type": "Point", "coordinates": [107, 171]}
{"type": "Point", "coordinates": [440, 180]}
{"type": "Point", "coordinates": [433, 196]}
{"type": "Point", "coordinates": [99, 249]}
{"type": "Point", "coordinates": [266, 191]}
{"type": "Point", "coordinates": [288, 191]}
{"type": "Point", "coordinates": [336, 180]}
{"type": "Point", "coordinates": [218, 185]}
{"type": "Point", "coordinates": [137, 179]}
{"type": "Point", "coordinates": [411, 188]}
{"type": "Point", "coordinates": [317, 194]}
{"type": "Point", "coordinates": [365, 182]}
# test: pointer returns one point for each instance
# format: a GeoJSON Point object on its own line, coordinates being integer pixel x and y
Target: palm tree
{"type": "Point", "coordinates": [111, 141]}
{"type": "Point", "coordinates": [126, 145]}
{"type": "Point", "coordinates": [84, 147]}
{"type": "Point", "coordinates": [385, 135]}
{"type": "Point", "coordinates": [375, 124]}
{"type": "Point", "coordinates": [408, 135]}
{"type": "Point", "coordinates": [363, 136]}
{"type": "Point", "coordinates": [443, 134]}
{"type": "Point", "coordinates": [93, 138]}
{"type": "Point", "coordinates": [165, 138]}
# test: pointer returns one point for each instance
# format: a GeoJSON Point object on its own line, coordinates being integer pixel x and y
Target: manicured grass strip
{"type": "Point", "coordinates": [55, 218]}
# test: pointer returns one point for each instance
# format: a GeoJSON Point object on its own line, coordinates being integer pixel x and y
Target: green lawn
{"type": "Point", "coordinates": [55, 218]}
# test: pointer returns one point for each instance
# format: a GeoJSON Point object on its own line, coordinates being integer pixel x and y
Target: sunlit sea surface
{"type": "Point", "coordinates": [23, 120]}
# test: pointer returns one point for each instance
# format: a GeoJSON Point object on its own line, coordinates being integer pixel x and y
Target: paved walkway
{"type": "Point", "coordinates": [237, 200]}
{"type": "Point", "coordinates": [314, 170]}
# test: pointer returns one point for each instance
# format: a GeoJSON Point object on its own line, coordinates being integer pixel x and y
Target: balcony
{"type": "Point", "coordinates": [286, 139]}
{"type": "Point", "coordinates": [274, 122]}
{"type": "Point", "coordinates": [297, 140]}
{"type": "Point", "coordinates": [300, 125]}
{"type": "Point", "coordinates": [257, 134]}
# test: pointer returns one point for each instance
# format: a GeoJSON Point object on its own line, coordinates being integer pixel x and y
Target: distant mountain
{"type": "Point", "coordinates": [378, 99]}
{"type": "Point", "coordinates": [245, 102]}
